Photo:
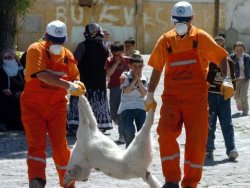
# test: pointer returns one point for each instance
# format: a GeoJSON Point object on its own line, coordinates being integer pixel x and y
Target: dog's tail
{"type": "Point", "coordinates": [86, 113]}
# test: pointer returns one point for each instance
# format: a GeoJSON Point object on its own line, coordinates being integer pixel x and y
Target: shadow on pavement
{"type": "Point", "coordinates": [237, 115]}
{"type": "Point", "coordinates": [13, 145]}
{"type": "Point", "coordinates": [212, 162]}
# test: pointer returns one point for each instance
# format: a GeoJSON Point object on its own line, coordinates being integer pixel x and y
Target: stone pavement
{"type": "Point", "coordinates": [217, 173]}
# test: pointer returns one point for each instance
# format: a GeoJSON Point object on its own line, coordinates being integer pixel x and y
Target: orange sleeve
{"type": "Point", "coordinates": [158, 56]}
{"type": "Point", "coordinates": [34, 61]}
{"type": "Point", "coordinates": [209, 49]}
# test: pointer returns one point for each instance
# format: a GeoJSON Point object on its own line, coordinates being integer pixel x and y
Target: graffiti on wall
{"type": "Point", "coordinates": [119, 20]}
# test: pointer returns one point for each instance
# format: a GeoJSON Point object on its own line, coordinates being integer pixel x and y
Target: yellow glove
{"type": "Point", "coordinates": [227, 89]}
{"type": "Point", "coordinates": [150, 102]}
{"type": "Point", "coordinates": [76, 88]}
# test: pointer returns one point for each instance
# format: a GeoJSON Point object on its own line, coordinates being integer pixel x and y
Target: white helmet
{"type": "Point", "coordinates": [182, 12]}
{"type": "Point", "coordinates": [56, 31]}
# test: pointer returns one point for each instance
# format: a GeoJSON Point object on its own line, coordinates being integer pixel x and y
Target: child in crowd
{"type": "Point", "coordinates": [130, 47]}
{"type": "Point", "coordinates": [134, 88]}
{"type": "Point", "coordinates": [242, 72]}
{"type": "Point", "coordinates": [115, 66]}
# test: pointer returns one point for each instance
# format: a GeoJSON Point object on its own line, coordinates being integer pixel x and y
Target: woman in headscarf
{"type": "Point", "coordinates": [91, 55]}
{"type": "Point", "coordinates": [11, 86]}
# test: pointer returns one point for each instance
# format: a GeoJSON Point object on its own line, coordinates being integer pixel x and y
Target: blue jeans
{"type": "Point", "coordinates": [114, 102]}
{"type": "Point", "coordinates": [221, 108]}
{"type": "Point", "coordinates": [127, 120]}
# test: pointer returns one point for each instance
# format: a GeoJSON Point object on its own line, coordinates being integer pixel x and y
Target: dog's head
{"type": "Point", "coordinates": [75, 173]}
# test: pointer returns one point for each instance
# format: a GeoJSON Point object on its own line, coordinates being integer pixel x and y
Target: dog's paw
{"type": "Point", "coordinates": [152, 180]}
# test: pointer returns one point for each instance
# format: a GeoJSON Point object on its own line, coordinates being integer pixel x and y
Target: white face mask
{"type": "Point", "coordinates": [10, 67]}
{"type": "Point", "coordinates": [55, 49]}
{"type": "Point", "coordinates": [181, 28]}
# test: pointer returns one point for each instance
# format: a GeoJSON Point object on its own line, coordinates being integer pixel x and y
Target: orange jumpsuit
{"type": "Point", "coordinates": [43, 109]}
{"type": "Point", "coordinates": [184, 100]}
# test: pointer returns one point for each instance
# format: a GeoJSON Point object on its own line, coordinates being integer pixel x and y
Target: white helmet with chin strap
{"type": "Point", "coordinates": [182, 13]}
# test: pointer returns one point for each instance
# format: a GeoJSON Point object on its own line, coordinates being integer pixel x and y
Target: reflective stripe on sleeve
{"type": "Point", "coordinates": [56, 72]}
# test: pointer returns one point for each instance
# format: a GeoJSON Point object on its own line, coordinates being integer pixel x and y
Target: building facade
{"type": "Point", "coordinates": [237, 25]}
{"type": "Point", "coordinates": [145, 20]}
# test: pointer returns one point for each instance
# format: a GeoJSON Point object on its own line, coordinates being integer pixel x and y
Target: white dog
{"type": "Point", "coordinates": [95, 150]}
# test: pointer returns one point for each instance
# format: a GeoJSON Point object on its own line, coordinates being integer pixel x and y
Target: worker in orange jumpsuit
{"type": "Point", "coordinates": [50, 73]}
{"type": "Point", "coordinates": [184, 52]}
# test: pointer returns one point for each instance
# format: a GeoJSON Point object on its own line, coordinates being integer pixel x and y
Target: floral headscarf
{"type": "Point", "coordinates": [93, 32]}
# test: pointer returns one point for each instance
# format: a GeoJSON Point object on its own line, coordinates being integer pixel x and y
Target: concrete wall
{"type": "Point", "coordinates": [237, 23]}
{"type": "Point", "coordinates": [145, 20]}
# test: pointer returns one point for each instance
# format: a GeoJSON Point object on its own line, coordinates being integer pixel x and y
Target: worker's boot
{"type": "Point", "coordinates": [37, 183]}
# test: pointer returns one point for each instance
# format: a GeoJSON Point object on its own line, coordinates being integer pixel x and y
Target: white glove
{"type": "Point", "coordinates": [149, 102]}
{"type": "Point", "coordinates": [76, 88]}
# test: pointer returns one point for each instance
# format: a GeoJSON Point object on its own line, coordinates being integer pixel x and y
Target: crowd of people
{"type": "Point", "coordinates": [33, 91]}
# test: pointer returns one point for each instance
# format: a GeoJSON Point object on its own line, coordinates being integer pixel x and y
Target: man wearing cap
{"type": "Point", "coordinates": [184, 52]}
{"type": "Point", "coordinates": [50, 74]}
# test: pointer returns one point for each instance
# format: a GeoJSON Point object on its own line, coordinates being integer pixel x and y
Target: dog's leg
{"type": "Point", "coordinates": [84, 107]}
{"type": "Point", "coordinates": [151, 180]}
